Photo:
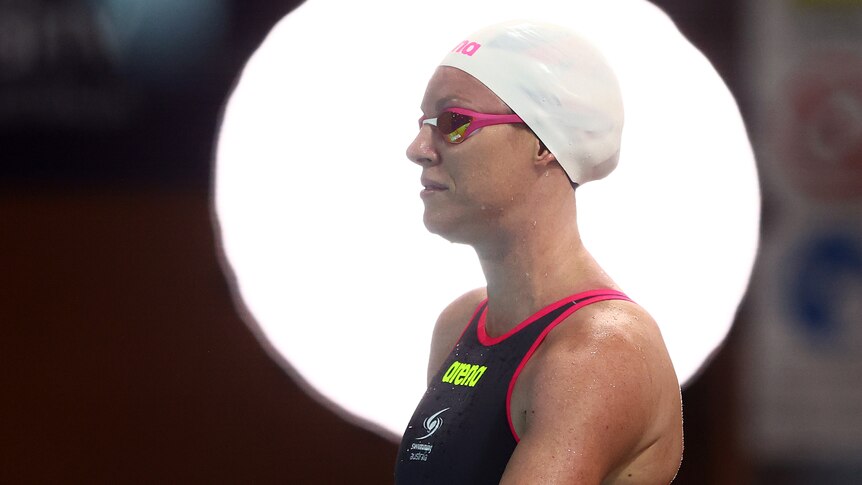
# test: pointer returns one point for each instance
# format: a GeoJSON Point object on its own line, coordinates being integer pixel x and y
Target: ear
{"type": "Point", "coordinates": [544, 157]}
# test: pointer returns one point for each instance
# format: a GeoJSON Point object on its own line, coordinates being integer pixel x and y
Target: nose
{"type": "Point", "coordinates": [422, 151]}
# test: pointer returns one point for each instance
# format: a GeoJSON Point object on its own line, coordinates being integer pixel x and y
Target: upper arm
{"type": "Point", "coordinates": [449, 327]}
{"type": "Point", "coordinates": [590, 399]}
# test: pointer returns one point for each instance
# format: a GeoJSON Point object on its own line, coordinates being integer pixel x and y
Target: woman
{"type": "Point", "coordinates": [550, 374]}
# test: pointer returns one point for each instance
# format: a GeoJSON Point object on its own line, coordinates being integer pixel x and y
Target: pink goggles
{"type": "Point", "coordinates": [456, 124]}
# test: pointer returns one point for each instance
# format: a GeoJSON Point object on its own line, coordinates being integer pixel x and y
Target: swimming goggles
{"type": "Point", "coordinates": [456, 124]}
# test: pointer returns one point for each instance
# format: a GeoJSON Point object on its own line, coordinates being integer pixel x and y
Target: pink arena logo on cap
{"type": "Point", "coordinates": [466, 47]}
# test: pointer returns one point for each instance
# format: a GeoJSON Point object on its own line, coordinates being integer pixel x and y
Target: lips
{"type": "Point", "coordinates": [433, 185]}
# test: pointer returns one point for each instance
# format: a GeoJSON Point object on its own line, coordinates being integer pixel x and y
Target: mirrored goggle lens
{"type": "Point", "coordinates": [453, 126]}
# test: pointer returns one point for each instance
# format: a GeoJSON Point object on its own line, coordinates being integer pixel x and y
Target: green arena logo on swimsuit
{"type": "Point", "coordinates": [462, 374]}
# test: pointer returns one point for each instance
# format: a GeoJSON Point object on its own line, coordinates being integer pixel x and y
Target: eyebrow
{"type": "Point", "coordinates": [444, 101]}
{"type": "Point", "coordinates": [438, 106]}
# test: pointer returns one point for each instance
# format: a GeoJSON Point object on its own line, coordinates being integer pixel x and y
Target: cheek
{"type": "Point", "coordinates": [495, 170]}
{"type": "Point", "coordinates": [509, 166]}
{"type": "Point", "coordinates": [492, 184]}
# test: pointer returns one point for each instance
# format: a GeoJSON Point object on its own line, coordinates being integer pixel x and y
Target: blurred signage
{"type": "Point", "coordinates": [819, 128]}
{"type": "Point", "coordinates": [85, 63]}
{"type": "Point", "coordinates": [56, 66]}
{"type": "Point", "coordinates": [804, 346]}
{"type": "Point", "coordinates": [830, 3]}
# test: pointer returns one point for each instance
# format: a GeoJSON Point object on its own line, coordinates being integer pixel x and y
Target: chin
{"type": "Point", "coordinates": [448, 228]}
{"type": "Point", "coordinates": [437, 223]}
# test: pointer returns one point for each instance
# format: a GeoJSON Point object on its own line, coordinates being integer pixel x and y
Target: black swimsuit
{"type": "Point", "coordinates": [462, 431]}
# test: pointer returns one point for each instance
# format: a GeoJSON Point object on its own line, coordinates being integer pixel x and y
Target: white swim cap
{"type": "Point", "coordinates": [558, 83]}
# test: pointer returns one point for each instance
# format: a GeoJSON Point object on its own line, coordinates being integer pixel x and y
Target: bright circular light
{"type": "Point", "coordinates": [321, 222]}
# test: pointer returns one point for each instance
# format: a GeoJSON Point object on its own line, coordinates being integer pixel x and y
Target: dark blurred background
{"type": "Point", "coordinates": [122, 356]}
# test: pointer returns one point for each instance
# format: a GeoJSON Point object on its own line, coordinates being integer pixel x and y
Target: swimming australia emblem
{"type": "Point", "coordinates": [433, 423]}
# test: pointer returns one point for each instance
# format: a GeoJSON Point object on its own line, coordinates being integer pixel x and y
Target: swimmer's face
{"type": "Point", "coordinates": [471, 187]}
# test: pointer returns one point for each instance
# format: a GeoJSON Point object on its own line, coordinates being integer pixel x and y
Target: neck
{"type": "Point", "coordinates": [527, 270]}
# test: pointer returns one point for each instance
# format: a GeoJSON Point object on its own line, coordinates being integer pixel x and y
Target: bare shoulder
{"type": "Point", "coordinates": [450, 325]}
{"type": "Point", "coordinates": [601, 391]}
